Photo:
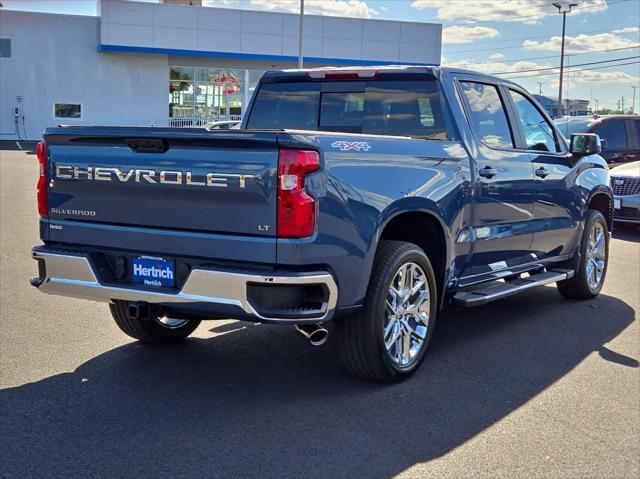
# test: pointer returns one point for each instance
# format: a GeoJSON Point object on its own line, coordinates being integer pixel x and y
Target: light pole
{"type": "Point", "coordinates": [597, 102]}
{"type": "Point", "coordinates": [564, 12]}
{"type": "Point", "coordinates": [301, 33]}
{"type": "Point", "coordinates": [633, 102]}
{"type": "Point", "coordinates": [540, 87]}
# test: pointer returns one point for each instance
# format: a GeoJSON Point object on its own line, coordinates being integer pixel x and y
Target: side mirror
{"type": "Point", "coordinates": [583, 144]}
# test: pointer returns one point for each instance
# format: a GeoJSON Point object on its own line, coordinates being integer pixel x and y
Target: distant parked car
{"type": "Point", "coordinates": [625, 181]}
{"type": "Point", "coordinates": [222, 125]}
{"type": "Point", "coordinates": [619, 134]}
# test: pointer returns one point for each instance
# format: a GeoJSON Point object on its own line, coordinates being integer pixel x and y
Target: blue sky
{"type": "Point", "coordinates": [493, 36]}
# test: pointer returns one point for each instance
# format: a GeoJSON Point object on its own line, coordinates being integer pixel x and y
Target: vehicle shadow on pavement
{"type": "Point", "coordinates": [627, 232]}
{"type": "Point", "coordinates": [258, 401]}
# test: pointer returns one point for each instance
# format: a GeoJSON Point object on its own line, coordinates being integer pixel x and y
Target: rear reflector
{"type": "Point", "coordinates": [41, 187]}
{"type": "Point", "coordinates": [296, 209]}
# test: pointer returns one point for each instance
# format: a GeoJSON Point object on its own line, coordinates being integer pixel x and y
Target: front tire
{"type": "Point", "coordinates": [388, 339]}
{"type": "Point", "coordinates": [152, 330]}
{"type": "Point", "coordinates": [594, 259]}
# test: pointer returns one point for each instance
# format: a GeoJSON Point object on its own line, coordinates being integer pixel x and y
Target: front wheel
{"type": "Point", "coordinates": [388, 339]}
{"type": "Point", "coordinates": [152, 330]}
{"type": "Point", "coordinates": [593, 261]}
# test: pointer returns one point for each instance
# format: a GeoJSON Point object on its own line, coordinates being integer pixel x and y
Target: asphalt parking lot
{"type": "Point", "coordinates": [533, 386]}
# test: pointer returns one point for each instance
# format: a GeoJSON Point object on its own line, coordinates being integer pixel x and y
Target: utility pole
{"type": "Point", "coordinates": [633, 102]}
{"type": "Point", "coordinates": [564, 24]}
{"type": "Point", "coordinates": [622, 104]}
{"type": "Point", "coordinates": [301, 33]}
{"type": "Point", "coordinates": [539, 87]}
{"type": "Point", "coordinates": [618, 105]}
{"type": "Point", "coordinates": [597, 105]}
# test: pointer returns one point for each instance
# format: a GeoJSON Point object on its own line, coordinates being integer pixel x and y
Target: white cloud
{"type": "Point", "coordinates": [587, 76]}
{"type": "Point", "coordinates": [496, 56]}
{"type": "Point", "coordinates": [502, 10]}
{"type": "Point", "coordinates": [555, 84]}
{"type": "Point", "coordinates": [492, 67]}
{"type": "Point", "coordinates": [581, 43]}
{"type": "Point", "coordinates": [337, 8]}
{"type": "Point", "coordinates": [458, 34]}
{"type": "Point", "coordinates": [627, 30]}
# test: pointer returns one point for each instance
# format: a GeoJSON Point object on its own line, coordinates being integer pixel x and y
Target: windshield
{"type": "Point", "coordinates": [378, 107]}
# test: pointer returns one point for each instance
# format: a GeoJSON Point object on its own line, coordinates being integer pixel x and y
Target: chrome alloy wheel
{"type": "Point", "coordinates": [171, 323]}
{"type": "Point", "coordinates": [596, 256]}
{"type": "Point", "coordinates": [407, 314]}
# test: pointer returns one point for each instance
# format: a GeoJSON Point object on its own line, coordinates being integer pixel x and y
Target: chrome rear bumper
{"type": "Point", "coordinates": [223, 292]}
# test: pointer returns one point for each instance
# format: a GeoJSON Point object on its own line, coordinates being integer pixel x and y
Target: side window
{"type": "Point", "coordinates": [538, 132]}
{"type": "Point", "coordinates": [614, 132]}
{"type": "Point", "coordinates": [487, 114]}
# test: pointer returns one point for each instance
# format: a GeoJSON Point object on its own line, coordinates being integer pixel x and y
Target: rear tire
{"type": "Point", "coordinates": [151, 330]}
{"type": "Point", "coordinates": [592, 264]}
{"type": "Point", "coordinates": [387, 340]}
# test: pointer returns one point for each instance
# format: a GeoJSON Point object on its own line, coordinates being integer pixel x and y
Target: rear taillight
{"type": "Point", "coordinates": [296, 209]}
{"type": "Point", "coordinates": [41, 188]}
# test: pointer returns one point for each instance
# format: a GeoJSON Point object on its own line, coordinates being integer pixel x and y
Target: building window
{"type": "Point", "coordinates": [5, 47]}
{"type": "Point", "coordinates": [204, 94]}
{"type": "Point", "coordinates": [67, 110]}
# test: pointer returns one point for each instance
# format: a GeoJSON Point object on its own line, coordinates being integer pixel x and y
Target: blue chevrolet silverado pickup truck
{"type": "Point", "coordinates": [370, 197]}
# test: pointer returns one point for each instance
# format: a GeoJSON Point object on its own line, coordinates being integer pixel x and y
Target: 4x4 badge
{"type": "Point", "coordinates": [351, 145]}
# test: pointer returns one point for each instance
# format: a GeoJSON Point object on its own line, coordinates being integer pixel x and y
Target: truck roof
{"type": "Point", "coordinates": [368, 71]}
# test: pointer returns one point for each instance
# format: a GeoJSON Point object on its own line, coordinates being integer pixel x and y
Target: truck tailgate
{"type": "Point", "coordinates": [165, 178]}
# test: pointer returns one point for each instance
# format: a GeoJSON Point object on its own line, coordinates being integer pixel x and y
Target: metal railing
{"type": "Point", "coordinates": [187, 121]}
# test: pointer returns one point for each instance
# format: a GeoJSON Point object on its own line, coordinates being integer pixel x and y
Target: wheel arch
{"type": "Point", "coordinates": [431, 235]}
{"type": "Point", "coordinates": [601, 199]}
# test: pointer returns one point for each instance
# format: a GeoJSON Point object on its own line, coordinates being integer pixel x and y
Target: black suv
{"type": "Point", "coordinates": [620, 134]}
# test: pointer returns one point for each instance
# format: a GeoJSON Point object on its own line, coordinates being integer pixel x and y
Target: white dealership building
{"type": "Point", "coordinates": [161, 64]}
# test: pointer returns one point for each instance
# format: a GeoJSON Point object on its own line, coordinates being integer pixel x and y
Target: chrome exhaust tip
{"type": "Point", "coordinates": [315, 333]}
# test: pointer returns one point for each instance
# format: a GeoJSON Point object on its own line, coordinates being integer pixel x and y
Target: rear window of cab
{"type": "Point", "coordinates": [382, 107]}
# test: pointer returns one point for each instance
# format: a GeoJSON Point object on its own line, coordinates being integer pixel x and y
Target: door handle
{"type": "Point", "coordinates": [542, 172]}
{"type": "Point", "coordinates": [488, 172]}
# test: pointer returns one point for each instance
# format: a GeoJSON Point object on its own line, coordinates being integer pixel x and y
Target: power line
{"type": "Point", "coordinates": [572, 54]}
{"type": "Point", "coordinates": [502, 48]}
{"type": "Point", "coordinates": [569, 66]}
{"type": "Point", "coordinates": [575, 71]}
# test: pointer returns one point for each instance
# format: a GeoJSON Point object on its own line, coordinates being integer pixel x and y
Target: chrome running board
{"type": "Point", "coordinates": [498, 290]}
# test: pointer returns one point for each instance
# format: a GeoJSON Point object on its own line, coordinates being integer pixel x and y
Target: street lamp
{"type": "Point", "coordinates": [301, 38]}
{"type": "Point", "coordinates": [564, 12]}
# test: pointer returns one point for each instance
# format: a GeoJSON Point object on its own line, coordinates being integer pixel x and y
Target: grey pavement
{"type": "Point", "coordinates": [533, 386]}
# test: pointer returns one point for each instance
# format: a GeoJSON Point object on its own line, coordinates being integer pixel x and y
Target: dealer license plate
{"type": "Point", "coordinates": [153, 271]}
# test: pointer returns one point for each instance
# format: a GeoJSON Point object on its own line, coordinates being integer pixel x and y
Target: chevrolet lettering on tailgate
{"type": "Point", "coordinates": [171, 177]}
